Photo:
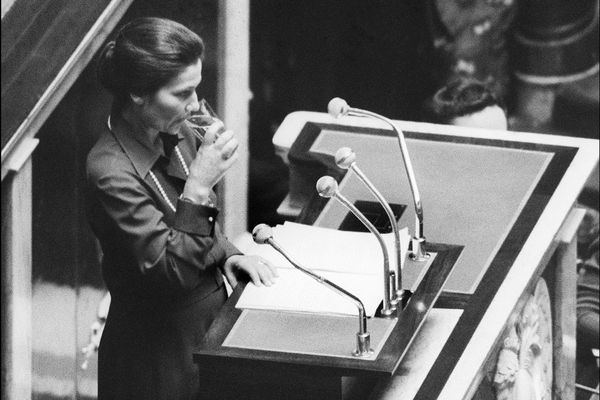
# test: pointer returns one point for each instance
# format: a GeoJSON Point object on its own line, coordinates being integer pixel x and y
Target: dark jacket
{"type": "Point", "coordinates": [162, 268]}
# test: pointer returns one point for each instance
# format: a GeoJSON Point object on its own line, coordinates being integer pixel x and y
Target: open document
{"type": "Point", "coordinates": [352, 260]}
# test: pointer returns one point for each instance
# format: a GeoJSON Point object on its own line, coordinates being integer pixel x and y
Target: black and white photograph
{"type": "Point", "coordinates": [300, 200]}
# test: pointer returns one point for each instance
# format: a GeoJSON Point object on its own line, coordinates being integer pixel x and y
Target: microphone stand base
{"type": "Point", "coordinates": [388, 313]}
{"type": "Point", "coordinates": [363, 345]}
{"type": "Point", "coordinates": [418, 252]}
{"type": "Point", "coordinates": [402, 297]}
{"type": "Point", "coordinates": [357, 353]}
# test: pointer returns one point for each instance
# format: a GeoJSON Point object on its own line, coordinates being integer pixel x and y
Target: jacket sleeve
{"type": "Point", "coordinates": [171, 257]}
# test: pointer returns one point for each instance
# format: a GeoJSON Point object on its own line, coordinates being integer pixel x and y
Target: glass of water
{"type": "Point", "coordinates": [202, 119]}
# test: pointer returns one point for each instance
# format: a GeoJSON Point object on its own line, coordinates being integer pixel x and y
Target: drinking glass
{"type": "Point", "coordinates": [202, 119]}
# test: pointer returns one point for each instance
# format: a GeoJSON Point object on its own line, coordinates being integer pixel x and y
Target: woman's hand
{"type": "Point", "coordinates": [214, 157]}
{"type": "Point", "coordinates": [260, 271]}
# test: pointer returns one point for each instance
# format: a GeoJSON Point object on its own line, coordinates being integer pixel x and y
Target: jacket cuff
{"type": "Point", "coordinates": [195, 218]}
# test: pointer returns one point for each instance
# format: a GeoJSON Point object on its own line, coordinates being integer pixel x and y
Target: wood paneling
{"type": "Point", "coordinates": [16, 284]}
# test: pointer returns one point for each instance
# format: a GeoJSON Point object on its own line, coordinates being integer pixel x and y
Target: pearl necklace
{"type": "Point", "coordinates": [161, 190]}
{"type": "Point", "coordinates": [159, 186]}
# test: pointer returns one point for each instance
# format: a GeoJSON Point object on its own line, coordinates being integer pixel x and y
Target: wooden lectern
{"type": "Point", "coordinates": [500, 218]}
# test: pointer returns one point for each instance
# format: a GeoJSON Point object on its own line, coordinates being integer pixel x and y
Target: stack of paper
{"type": "Point", "coordinates": [351, 260]}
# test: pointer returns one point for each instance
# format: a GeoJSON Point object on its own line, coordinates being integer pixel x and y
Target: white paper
{"type": "Point", "coordinates": [351, 260]}
{"type": "Point", "coordinates": [296, 291]}
{"type": "Point", "coordinates": [326, 249]}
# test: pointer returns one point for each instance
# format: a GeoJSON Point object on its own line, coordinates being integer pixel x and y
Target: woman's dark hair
{"type": "Point", "coordinates": [461, 96]}
{"type": "Point", "coordinates": [146, 54]}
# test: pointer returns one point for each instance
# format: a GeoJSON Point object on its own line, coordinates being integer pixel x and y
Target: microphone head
{"type": "Point", "coordinates": [327, 186]}
{"type": "Point", "coordinates": [337, 107]}
{"type": "Point", "coordinates": [344, 157]}
{"type": "Point", "coordinates": [261, 233]}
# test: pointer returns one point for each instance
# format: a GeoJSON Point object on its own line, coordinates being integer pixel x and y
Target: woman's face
{"type": "Point", "coordinates": [167, 109]}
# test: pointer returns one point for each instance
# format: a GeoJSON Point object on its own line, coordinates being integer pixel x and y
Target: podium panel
{"type": "Point", "coordinates": [473, 192]}
{"type": "Point", "coordinates": [305, 333]}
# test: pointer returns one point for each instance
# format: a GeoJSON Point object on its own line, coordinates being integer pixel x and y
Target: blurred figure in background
{"type": "Point", "coordinates": [466, 102]}
{"type": "Point", "coordinates": [588, 301]}
{"type": "Point", "coordinates": [470, 38]}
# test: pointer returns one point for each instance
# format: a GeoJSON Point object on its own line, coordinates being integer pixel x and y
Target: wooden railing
{"type": "Point", "coordinates": [45, 47]}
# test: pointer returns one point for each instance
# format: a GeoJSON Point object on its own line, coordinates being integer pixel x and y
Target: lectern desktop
{"type": "Point", "coordinates": [499, 214]}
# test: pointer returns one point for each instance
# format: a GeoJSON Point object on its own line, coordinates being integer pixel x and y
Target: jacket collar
{"type": "Point", "coordinates": [142, 150]}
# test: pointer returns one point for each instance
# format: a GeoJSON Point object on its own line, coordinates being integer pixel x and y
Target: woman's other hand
{"type": "Point", "coordinates": [260, 271]}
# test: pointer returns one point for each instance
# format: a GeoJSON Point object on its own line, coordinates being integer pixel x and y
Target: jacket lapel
{"type": "Point", "coordinates": [188, 148]}
{"type": "Point", "coordinates": [174, 167]}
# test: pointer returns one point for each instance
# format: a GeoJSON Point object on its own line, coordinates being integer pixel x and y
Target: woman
{"type": "Point", "coordinates": [153, 210]}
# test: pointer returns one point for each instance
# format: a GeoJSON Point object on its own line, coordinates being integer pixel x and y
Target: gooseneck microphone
{"type": "Point", "coordinates": [345, 158]}
{"type": "Point", "coordinates": [328, 187]}
{"type": "Point", "coordinates": [262, 234]}
{"type": "Point", "coordinates": [338, 107]}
